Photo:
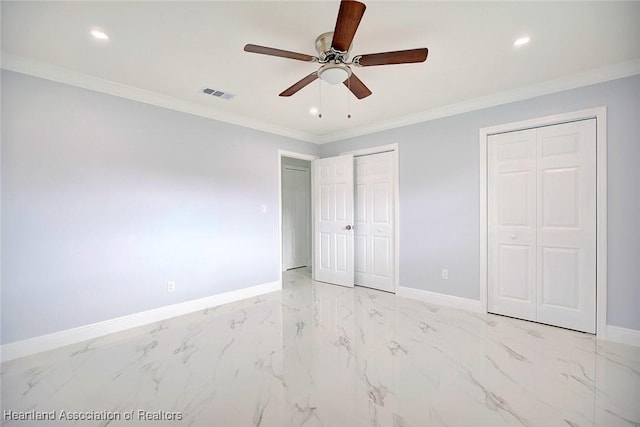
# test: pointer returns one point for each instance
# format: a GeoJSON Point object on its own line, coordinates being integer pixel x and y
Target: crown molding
{"type": "Point", "coordinates": [599, 75]}
{"type": "Point", "coordinates": [67, 76]}
{"type": "Point", "coordinates": [46, 71]}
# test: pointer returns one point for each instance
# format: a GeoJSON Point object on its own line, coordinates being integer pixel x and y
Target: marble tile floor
{"type": "Point", "coordinates": [320, 355]}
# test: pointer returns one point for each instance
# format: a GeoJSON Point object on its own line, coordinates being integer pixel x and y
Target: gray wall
{"type": "Point", "coordinates": [105, 200]}
{"type": "Point", "coordinates": [439, 191]}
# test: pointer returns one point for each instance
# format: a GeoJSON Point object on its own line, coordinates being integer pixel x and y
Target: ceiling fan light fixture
{"type": "Point", "coordinates": [334, 73]}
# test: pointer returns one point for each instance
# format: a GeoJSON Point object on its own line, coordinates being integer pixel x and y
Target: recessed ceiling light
{"type": "Point", "coordinates": [313, 110]}
{"type": "Point", "coordinates": [522, 41]}
{"type": "Point", "coordinates": [100, 35]}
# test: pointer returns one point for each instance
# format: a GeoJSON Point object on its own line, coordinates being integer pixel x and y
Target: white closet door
{"type": "Point", "coordinates": [295, 214]}
{"type": "Point", "coordinates": [374, 221]}
{"type": "Point", "coordinates": [542, 224]}
{"type": "Point", "coordinates": [566, 212]}
{"type": "Point", "coordinates": [333, 220]}
{"type": "Point", "coordinates": [511, 193]}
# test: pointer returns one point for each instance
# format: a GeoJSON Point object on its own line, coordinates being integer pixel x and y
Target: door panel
{"type": "Point", "coordinates": [325, 250]}
{"type": "Point", "coordinates": [382, 203]}
{"type": "Point", "coordinates": [381, 256]}
{"type": "Point", "coordinates": [374, 212]}
{"type": "Point", "coordinates": [511, 194]}
{"type": "Point", "coordinates": [341, 201]}
{"type": "Point", "coordinates": [515, 210]}
{"type": "Point", "coordinates": [324, 202]}
{"type": "Point", "coordinates": [342, 252]}
{"type": "Point", "coordinates": [361, 203]}
{"type": "Point", "coordinates": [560, 278]}
{"type": "Point", "coordinates": [360, 255]}
{"type": "Point", "coordinates": [560, 202]}
{"type": "Point", "coordinates": [513, 276]}
{"type": "Point", "coordinates": [333, 242]}
{"type": "Point", "coordinates": [567, 225]}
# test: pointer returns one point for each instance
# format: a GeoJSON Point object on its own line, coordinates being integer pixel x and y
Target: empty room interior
{"type": "Point", "coordinates": [327, 213]}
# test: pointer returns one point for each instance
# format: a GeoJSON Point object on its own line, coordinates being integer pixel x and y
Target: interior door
{"type": "Point", "coordinates": [511, 193]}
{"type": "Point", "coordinates": [374, 211]}
{"type": "Point", "coordinates": [295, 214]}
{"type": "Point", "coordinates": [566, 212]}
{"type": "Point", "coordinates": [333, 220]}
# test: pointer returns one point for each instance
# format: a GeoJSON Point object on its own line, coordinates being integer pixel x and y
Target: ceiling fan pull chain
{"type": "Point", "coordinates": [319, 98]}
{"type": "Point", "coordinates": [349, 98]}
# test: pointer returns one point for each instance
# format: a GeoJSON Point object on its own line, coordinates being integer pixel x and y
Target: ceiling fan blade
{"type": "Point", "coordinates": [300, 84]}
{"type": "Point", "coordinates": [349, 17]}
{"type": "Point", "coordinates": [397, 57]}
{"type": "Point", "coordinates": [356, 86]}
{"type": "Point", "coordinates": [278, 52]}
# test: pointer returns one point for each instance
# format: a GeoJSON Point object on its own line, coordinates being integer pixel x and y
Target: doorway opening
{"type": "Point", "coordinates": [294, 203]}
{"type": "Point", "coordinates": [374, 226]}
{"type": "Point", "coordinates": [296, 213]}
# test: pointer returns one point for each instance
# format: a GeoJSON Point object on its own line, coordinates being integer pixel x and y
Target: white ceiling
{"type": "Point", "coordinates": [165, 53]}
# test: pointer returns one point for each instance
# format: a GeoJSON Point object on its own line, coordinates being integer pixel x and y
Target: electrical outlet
{"type": "Point", "coordinates": [171, 286]}
{"type": "Point", "coordinates": [445, 274]}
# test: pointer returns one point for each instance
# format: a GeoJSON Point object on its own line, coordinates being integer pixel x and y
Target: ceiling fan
{"type": "Point", "coordinates": [333, 52]}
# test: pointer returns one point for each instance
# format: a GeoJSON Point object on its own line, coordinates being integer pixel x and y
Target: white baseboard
{"type": "Point", "coordinates": [42, 343]}
{"type": "Point", "coordinates": [623, 335]}
{"type": "Point", "coordinates": [440, 299]}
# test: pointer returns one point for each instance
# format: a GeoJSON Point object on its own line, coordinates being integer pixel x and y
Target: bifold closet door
{"type": "Point", "coordinates": [566, 215]}
{"type": "Point", "coordinates": [511, 201]}
{"type": "Point", "coordinates": [541, 190]}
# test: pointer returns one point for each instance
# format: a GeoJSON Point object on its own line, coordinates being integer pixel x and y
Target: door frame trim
{"type": "Point", "coordinates": [600, 114]}
{"type": "Point", "coordinates": [396, 202]}
{"type": "Point", "coordinates": [293, 155]}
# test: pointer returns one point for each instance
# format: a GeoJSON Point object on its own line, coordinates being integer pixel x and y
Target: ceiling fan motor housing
{"type": "Point", "coordinates": [326, 52]}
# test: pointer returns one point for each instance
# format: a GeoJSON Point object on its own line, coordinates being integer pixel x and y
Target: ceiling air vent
{"type": "Point", "coordinates": [218, 93]}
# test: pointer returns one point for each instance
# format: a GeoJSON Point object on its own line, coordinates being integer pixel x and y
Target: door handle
{"type": "Point", "coordinates": [348, 227]}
